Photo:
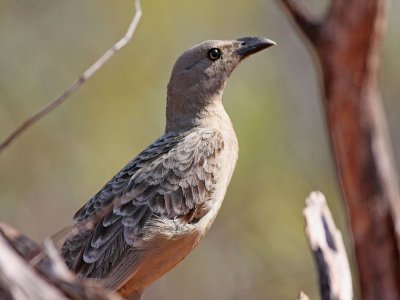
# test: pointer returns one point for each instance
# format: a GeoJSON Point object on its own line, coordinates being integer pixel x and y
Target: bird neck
{"type": "Point", "coordinates": [185, 113]}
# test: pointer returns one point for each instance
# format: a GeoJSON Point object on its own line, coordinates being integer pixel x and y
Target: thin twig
{"type": "Point", "coordinates": [79, 82]}
{"type": "Point", "coordinates": [307, 23]}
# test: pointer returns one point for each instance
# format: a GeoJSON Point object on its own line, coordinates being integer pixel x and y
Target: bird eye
{"type": "Point", "coordinates": [214, 53]}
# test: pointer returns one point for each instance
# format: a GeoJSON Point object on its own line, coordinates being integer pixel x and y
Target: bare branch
{"type": "Point", "coordinates": [18, 280]}
{"type": "Point", "coordinates": [54, 270]}
{"type": "Point", "coordinates": [78, 83]}
{"type": "Point", "coordinates": [49, 279]}
{"type": "Point", "coordinates": [302, 17]}
{"type": "Point", "coordinates": [329, 253]}
{"type": "Point", "coordinates": [24, 246]}
{"type": "Point", "coordinates": [302, 296]}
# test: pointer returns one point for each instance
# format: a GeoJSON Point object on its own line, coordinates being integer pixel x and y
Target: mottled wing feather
{"type": "Point", "coordinates": [118, 184]}
{"type": "Point", "coordinates": [172, 177]}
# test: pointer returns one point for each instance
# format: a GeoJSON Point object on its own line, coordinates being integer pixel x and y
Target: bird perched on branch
{"type": "Point", "coordinates": [152, 213]}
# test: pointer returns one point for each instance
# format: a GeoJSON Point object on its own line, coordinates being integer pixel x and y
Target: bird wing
{"type": "Point", "coordinates": [171, 178]}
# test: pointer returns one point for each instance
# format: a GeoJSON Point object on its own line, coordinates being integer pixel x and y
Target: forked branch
{"type": "Point", "coordinates": [303, 18]}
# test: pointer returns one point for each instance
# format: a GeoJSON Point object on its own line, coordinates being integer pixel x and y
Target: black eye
{"type": "Point", "coordinates": [214, 53]}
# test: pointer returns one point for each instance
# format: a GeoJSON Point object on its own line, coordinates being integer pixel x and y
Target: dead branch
{"type": "Point", "coordinates": [19, 281]}
{"type": "Point", "coordinates": [347, 47]}
{"type": "Point", "coordinates": [60, 276]}
{"type": "Point", "coordinates": [302, 296]}
{"type": "Point", "coordinates": [77, 83]}
{"type": "Point", "coordinates": [330, 256]}
{"type": "Point", "coordinates": [48, 280]}
{"type": "Point", "coordinates": [24, 246]}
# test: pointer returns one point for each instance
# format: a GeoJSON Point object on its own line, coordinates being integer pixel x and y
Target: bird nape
{"type": "Point", "coordinates": [153, 212]}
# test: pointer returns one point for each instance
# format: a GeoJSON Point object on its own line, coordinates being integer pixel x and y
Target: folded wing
{"type": "Point", "coordinates": [170, 179]}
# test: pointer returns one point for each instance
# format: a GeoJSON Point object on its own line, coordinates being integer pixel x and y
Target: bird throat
{"type": "Point", "coordinates": [184, 113]}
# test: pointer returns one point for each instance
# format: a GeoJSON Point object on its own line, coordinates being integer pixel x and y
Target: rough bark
{"type": "Point", "coordinates": [347, 42]}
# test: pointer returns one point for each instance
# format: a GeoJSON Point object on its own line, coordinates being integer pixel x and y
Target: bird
{"type": "Point", "coordinates": [154, 211]}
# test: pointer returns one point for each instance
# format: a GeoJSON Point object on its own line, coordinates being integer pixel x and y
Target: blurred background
{"type": "Point", "coordinates": [257, 248]}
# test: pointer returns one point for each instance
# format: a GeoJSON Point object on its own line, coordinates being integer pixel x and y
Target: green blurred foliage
{"type": "Point", "coordinates": [257, 248]}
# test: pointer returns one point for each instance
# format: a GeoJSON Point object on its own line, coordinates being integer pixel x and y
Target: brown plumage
{"type": "Point", "coordinates": [151, 214]}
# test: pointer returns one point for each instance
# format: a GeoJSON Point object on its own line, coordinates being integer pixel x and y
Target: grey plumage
{"type": "Point", "coordinates": [156, 209]}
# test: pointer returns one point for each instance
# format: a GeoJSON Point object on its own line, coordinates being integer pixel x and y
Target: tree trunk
{"type": "Point", "coordinates": [347, 45]}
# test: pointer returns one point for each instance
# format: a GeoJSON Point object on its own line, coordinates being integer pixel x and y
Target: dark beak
{"type": "Point", "coordinates": [251, 45]}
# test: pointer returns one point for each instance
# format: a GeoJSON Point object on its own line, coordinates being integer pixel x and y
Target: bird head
{"type": "Point", "coordinates": [199, 75]}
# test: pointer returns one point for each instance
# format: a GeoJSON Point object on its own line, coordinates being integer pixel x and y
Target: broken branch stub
{"type": "Point", "coordinates": [330, 256]}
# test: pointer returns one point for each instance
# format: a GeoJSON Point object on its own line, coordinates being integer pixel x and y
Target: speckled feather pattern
{"type": "Point", "coordinates": [171, 179]}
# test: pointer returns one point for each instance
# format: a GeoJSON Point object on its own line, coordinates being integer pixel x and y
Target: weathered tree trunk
{"type": "Point", "coordinates": [347, 44]}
